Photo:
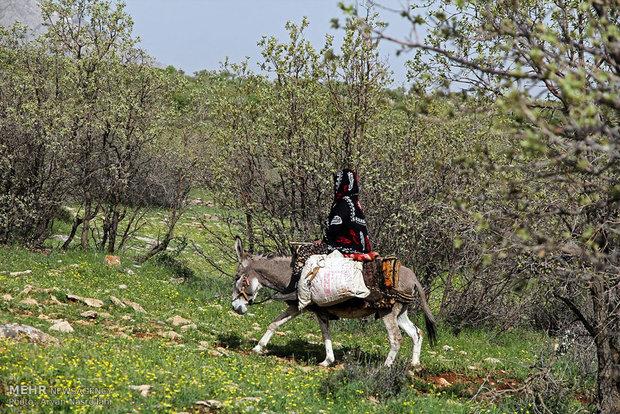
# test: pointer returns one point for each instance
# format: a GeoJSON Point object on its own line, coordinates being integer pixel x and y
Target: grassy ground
{"type": "Point", "coordinates": [140, 362]}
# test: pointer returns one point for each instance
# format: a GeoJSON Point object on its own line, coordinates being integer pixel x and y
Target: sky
{"type": "Point", "coordinates": [199, 34]}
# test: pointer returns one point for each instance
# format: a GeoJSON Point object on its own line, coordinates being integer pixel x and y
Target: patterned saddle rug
{"type": "Point", "coordinates": [381, 277]}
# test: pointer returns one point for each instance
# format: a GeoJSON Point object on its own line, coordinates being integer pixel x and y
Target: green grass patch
{"type": "Point", "coordinates": [141, 361]}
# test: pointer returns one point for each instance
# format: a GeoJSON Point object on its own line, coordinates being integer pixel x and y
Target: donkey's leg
{"type": "Point", "coordinates": [416, 335]}
{"type": "Point", "coordinates": [284, 317]}
{"type": "Point", "coordinates": [394, 335]}
{"type": "Point", "coordinates": [327, 340]}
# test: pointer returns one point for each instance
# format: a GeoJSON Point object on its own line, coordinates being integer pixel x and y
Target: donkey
{"type": "Point", "coordinates": [255, 272]}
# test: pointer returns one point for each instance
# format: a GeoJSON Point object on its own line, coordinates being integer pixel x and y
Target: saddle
{"type": "Point", "coordinates": [381, 278]}
{"type": "Point", "coordinates": [381, 275]}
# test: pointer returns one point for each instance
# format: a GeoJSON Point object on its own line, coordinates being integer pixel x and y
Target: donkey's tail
{"type": "Point", "coordinates": [429, 319]}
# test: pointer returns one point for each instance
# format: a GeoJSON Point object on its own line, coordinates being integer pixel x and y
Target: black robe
{"type": "Point", "coordinates": [346, 226]}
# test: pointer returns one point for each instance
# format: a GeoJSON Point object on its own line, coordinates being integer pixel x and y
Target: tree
{"type": "Point", "coordinates": [114, 108]}
{"type": "Point", "coordinates": [33, 153]}
{"type": "Point", "coordinates": [282, 135]}
{"type": "Point", "coordinates": [554, 67]}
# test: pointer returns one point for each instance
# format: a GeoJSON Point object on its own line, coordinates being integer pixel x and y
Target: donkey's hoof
{"type": "Point", "coordinates": [257, 349]}
{"type": "Point", "coordinates": [325, 363]}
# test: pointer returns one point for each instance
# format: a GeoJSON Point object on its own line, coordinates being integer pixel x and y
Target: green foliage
{"type": "Point", "coordinates": [372, 380]}
{"type": "Point", "coordinates": [281, 135]}
{"type": "Point", "coordinates": [84, 118]}
{"type": "Point", "coordinates": [553, 65]}
{"type": "Point", "coordinates": [214, 361]}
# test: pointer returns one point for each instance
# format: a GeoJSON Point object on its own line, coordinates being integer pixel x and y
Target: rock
{"type": "Point", "coordinates": [463, 352]}
{"type": "Point", "coordinates": [147, 240]}
{"type": "Point", "coordinates": [117, 301]}
{"type": "Point", "coordinates": [447, 348]}
{"type": "Point", "coordinates": [222, 350]}
{"type": "Point", "coordinates": [144, 389]}
{"type": "Point", "coordinates": [55, 300]}
{"type": "Point", "coordinates": [25, 272]}
{"type": "Point", "coordinates": [210, 404]}
{"type": "Point", "coordinates": [60, 237]}
{"type": "Point", "coordinates": [112, 261]}
{"type": "Point", "coordinates": [170, 334]}
{"type": "Point", "coordinates": [177, 320]}
{"type": "Point", "coordinates": [7, 297]}
{"type": "Point", "coordinates": [133, 305]}
{"type": "Point", "coordinates": [122, 286]}
{"type": "Point", "coordinates": [472, 368]}
{"type": "Point", "coordinates": [94, 303]}
{"type": "Point", "coordinates": [127, 318]}
{"type": "Point", "coordinates": [27, 290]}
{"type": "Point", "coordinates": [186, 328]}
{"type": "Point", "coordinates": [29, 302]}
{"type": "Point", "coordinates": [104, 315]}
{"type": "Point", "coordinates": [53, 321]}
{"type": "Point", "coordinates": [43, 316]}
{"type": "Point", "coordinates": [492, 360]}
{"type": "Point", "coordinates": [18, 332]}
{"type": "Point", "coordinates": [89, 314]}
{"type": "Point", "coordinates": [442, 382]}
{"type": "Point", "coordinates": [177, 281]}
{"type": "Point", "coordinates": [130, 272]}
{"type": "Point", "coordinates": [62, 326]}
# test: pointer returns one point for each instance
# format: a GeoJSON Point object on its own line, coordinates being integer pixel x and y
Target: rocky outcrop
{"type": "Point", "coordinates": [19, 332]}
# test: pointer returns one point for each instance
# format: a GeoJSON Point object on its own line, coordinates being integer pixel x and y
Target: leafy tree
{"type": "Point", "coordinates": [114, 108]}
{"type": "Point", "coordinates": [554, 67]}
{"type": "Point", "coordinates": [281, 135]}
{"type": "Point", "coordinates": [33, 152]}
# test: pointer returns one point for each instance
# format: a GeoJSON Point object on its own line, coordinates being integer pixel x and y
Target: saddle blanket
{"type": "Point", "coordinates": [330, 279]}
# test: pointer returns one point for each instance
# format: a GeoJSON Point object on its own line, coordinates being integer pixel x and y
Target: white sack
{"type": "Point", "coordinates": [338, 279]}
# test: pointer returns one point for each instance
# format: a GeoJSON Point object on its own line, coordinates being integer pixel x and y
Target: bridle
{"type": "Point", "coordinates": [245, 282]}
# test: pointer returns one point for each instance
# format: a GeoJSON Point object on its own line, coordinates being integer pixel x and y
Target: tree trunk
{"type": "Point", "coordinates": [608, 373]}
{"type": "Point", "coordinates": [76, 224]}
{"type": "Point", "coordinates": [113, 231]}
{"type": "Point", "coordinates": [86, 224]}
{"type": "Point", "coordinates": [606, 334]}
{"type": "Point", "coordinates": [250, 230]}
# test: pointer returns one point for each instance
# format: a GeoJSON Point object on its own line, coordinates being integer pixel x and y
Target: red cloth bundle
{"type": "Point", "coordinates": [362, 257]}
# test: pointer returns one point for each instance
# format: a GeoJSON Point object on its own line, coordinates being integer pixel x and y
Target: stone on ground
{"type": "Point", "coordinates": [17, 332]}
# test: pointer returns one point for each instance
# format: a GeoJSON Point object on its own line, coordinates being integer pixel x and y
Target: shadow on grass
{"type": "Point", "coordinates": [296, 350]}
{"type": "Point", "coordinates": [232, 341]}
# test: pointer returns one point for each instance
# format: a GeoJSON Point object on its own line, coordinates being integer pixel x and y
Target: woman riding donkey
{"type": "Point", "coordinates": [345, 229]}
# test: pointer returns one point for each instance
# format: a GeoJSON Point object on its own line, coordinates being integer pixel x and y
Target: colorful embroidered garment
{"type": "Point", "coordinates": [346, 226]}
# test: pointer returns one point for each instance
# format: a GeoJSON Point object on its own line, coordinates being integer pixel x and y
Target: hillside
{"type": "Point", "coordinates": [160, 336]}
{"type": "Point", "coordinates": [25, 11]}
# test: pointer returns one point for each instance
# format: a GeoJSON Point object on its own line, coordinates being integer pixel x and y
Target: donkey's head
{"type": "Point", "coordinates": [247, 285]}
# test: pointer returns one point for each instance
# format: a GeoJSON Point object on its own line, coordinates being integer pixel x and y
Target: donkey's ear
{"type": "Point", "coordinates": [239, 248]}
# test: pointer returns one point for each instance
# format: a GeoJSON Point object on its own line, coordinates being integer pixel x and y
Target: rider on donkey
{"type": "Point", "coordinates": [346, 226]}
{"type": "Point", "coordinates": [345, 229]}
